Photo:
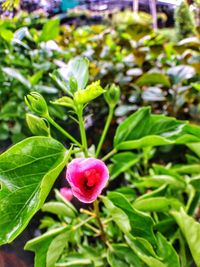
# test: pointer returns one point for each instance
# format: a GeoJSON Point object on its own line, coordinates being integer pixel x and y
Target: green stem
{"type": "Point", "coordinates": [112, 152]}
{"type": "Point", "coordinates": [65, 133]}
{"type": "Point", "coordinates": [82, 131]}
{"type": "Point", "coordinates": [97, 213]}
{"type": "Point", "coordinates": [105, 130]}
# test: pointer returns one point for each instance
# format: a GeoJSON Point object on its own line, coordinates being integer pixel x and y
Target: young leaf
{"type": "Point", "coordinates": [28, 171]}
{"type": "Point", "coordinates": [191, 231]}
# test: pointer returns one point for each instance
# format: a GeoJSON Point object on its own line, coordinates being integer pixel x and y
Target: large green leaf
{"type": "Point", "coordinates": [191, 231]}
{"type": "Point", "coordinates": [28, 171]}
{"type": "Point", "coordinates": [143, 129]}
{"type": "Point", "coordinates": [153, 78]}
{"type": "Point", "coordinates": [141, 224]}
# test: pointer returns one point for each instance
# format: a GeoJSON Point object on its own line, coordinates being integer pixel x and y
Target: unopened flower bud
{"type": "Point", "coordinates": [37, 126]}
{"type": "Point", "coordinates": [36, 103]}
{"type": "Point", "coordinates": [112, 95]}
{"type": "Point", "coordinates": [73, 84]}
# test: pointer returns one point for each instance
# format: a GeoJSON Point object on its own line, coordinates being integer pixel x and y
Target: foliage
{"type": "Point", "coordinates": [184, 22]}
{"type": "Point", "coordinates": [146, 219]}
{"type": "Point", "coordinates": [31, 58]}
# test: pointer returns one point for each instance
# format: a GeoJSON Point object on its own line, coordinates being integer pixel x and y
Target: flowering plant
{"type": "Point", "coordinates": [129, 226]}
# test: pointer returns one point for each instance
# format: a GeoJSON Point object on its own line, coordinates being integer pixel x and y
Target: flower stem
{"type": "Point", "coordinates": [105, 130]}
{"type": "Point", "coordinates": [96, 210]}
{"type": "Point", "coordinates": [65, 133]}
{"type": "Point", "coordinates": [112, 152]}
{"type": "Point", "coordinates": [82, 131]}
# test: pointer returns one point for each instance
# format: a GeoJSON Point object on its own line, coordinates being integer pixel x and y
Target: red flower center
{"type": "Point", "coordinates": [91, 177]}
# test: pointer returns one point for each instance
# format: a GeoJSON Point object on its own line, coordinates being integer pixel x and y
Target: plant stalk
{"type": "Point", "coordinates": [105, 130]}
{"type": "Point", "coordinates": [65, 133]}
{"type": "Point", "coordinates": [96, 210]}
{"type": "Point", "coordinates": [82, 131]}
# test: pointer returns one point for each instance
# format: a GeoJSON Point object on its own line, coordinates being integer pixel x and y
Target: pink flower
{"type": "Point", "coordinates": [66, 193]}
{"type": "Point", "coordinates": [87, 177]}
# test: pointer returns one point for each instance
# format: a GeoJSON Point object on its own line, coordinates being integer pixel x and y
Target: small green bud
{"type": "Point", "coordinates": [112, 95]}
{"type": "Point", "coordinates": [38, 126]}
{"type": "Point", "coordinates": [73, 84]}
{"type": "Point", "coordinates": [37, 103]}
{"type": "Point", "coordinates": [91, 92]}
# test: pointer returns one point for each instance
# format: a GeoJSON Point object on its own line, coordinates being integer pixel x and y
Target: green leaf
{"type": "Point", "coordinates": [13, 73]}
{"type": "Point", "coordinates": [195, 182]}
{"type": "Point", "coordinates": [195, 147]}
{"type": "Point", "coordinates": [58, 208]}
{"type": "Point", "coordinates": [122, 255]}
{"type": "Point", "coordinates": [142, 129]}
{"type": "Point", "coordinates": [50, 30]}
{"type": "Point", "coordinates": [118, 215]}
{"type": "Point", "coordinates": [157, 204]}
{"type": "Point", "coordinates": [141, 224]}
{"type": "Point", "coordinates": [78, 69]}
{"type": "Point", "coordinates": [191, 231]}
{"type": "Point", "coordinates": [144, 251]}
{"type": "Point", "coordinates": [153, 78]}
{"type": "Point", "coordinates": [28, 171]}
{"type": "Point", "coordinates": [48, 247]}
{"type": "Point", "coordinates": [122, 162]}
{"type": "Point", "coordinates": [167, 252]}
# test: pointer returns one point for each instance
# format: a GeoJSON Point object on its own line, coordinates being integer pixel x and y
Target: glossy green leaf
{"type": "Point", "coordinates": [50, 30]}
{"type": "Point", "coordinates": [141, 223]}
{"type": "Point", "coordinates": [48, 246]}
{"type": "Point", "coordinates": [153, 78]}
{"type": "Point", "coordinates": [122, 162]}
{"type": "Point", "coordinates": [28, 171]}
{"type": "Point", "coordinates": [195, 148]}
{"type": "Point", "coordinates": [191, 231]}
{"type": "Point", "coordinates": [143, 129]}
{"type": "Point", "coordinates": [167, 252]}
